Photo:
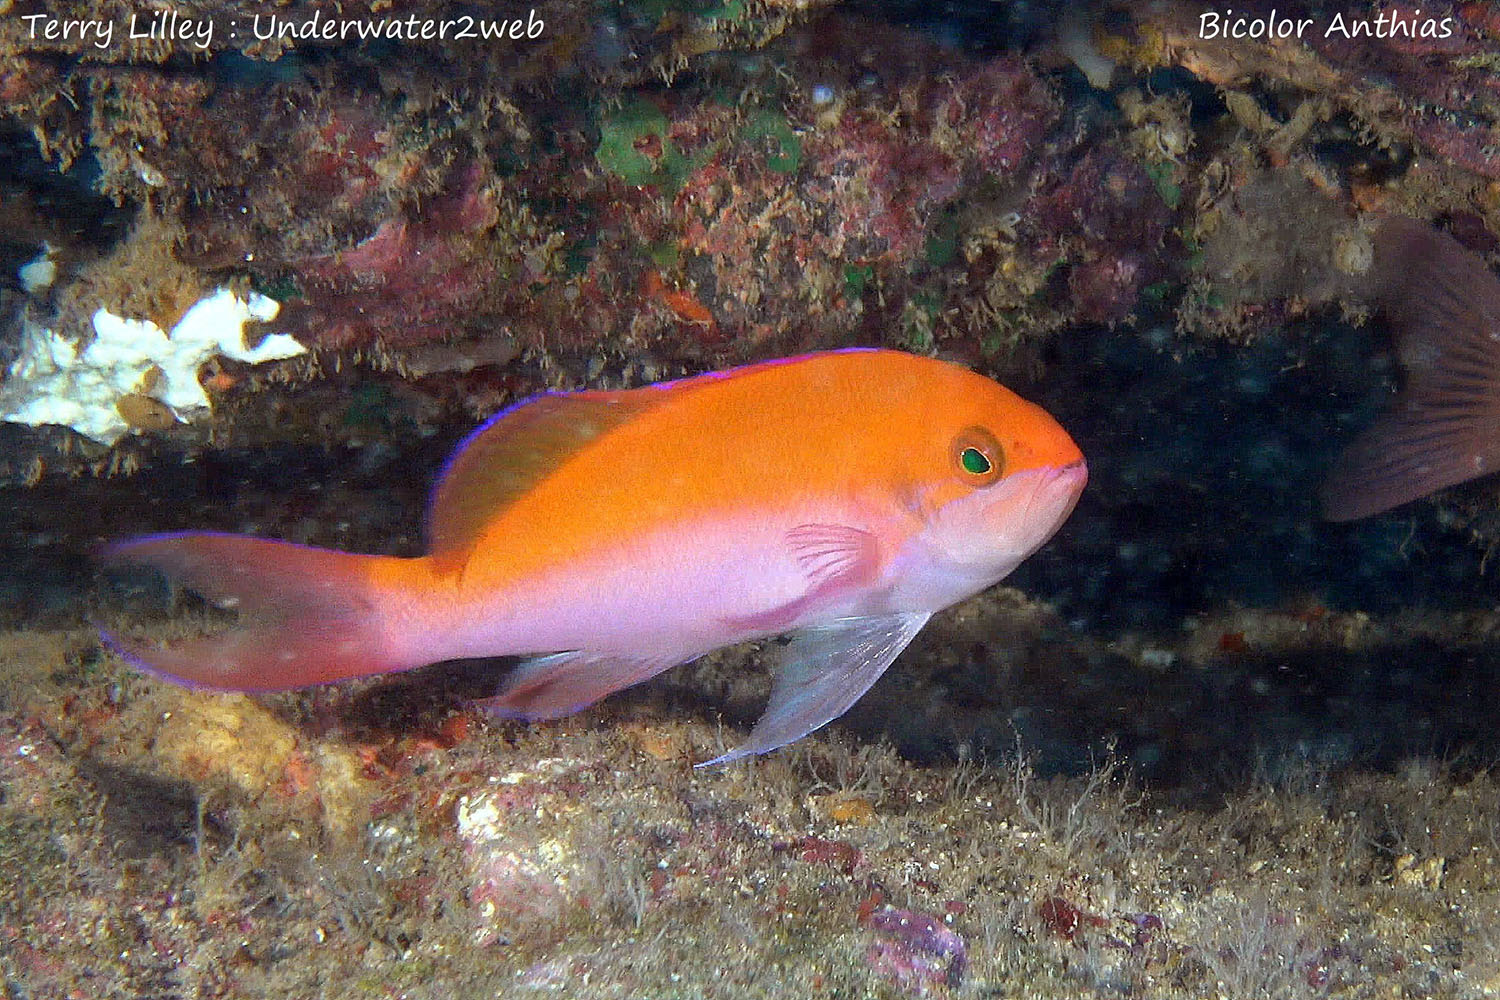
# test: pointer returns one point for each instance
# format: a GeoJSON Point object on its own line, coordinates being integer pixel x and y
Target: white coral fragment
{"type": "Point", "coordinates": [52, 382]}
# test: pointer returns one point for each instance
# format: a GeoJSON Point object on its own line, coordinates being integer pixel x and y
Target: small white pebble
{"type": "Point", "coordinates": [38, 274]}
{"type": "Point", "coordinates": [1159, 659]}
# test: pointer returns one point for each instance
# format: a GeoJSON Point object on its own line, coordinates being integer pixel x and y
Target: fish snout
{"type": "Point", "coordinates": [1043, 444]}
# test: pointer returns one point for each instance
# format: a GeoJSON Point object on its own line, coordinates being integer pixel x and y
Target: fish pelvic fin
{"type": "Point", "coordinates": [309, 613]}
{"type": "Point", "coordinates": [824, 670]}
{"type": "Point", "coordinates": [1444, 427]}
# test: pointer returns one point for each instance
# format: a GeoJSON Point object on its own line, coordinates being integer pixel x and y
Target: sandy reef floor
{"type": "Point", "coordinates": [377, 840]}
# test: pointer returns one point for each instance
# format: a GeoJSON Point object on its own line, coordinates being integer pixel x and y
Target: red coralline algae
{"type": "Point", "coordinates": [818, 850]}
{"type": "Point", "coordinates": [882, 178]}
{"type": "Point", "coordinates": [878, 198]}
{"type": "Point", "coordinates": [420, 276]}
{"type": "Point", "coordinates": [1469, 146]}
{"type": "Point", "coordinates": [878, 188]}
{"type": "Point", "coordinates": [998, 116]}
{"type": "Point", "coordinates": [521, 873]}
{"type": "Point", "coordinates": [1108, 217]}
{"type": "Point", "coordinates": [1482, 16]}
{"type": "Point", "coordinates": [276, 178]}
{"type": "Point", "coordinates": [1066, 920]}
{"type": "Point", "coordinates": [342, 153]}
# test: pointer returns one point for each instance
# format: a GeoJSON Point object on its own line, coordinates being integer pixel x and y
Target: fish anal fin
{"type": "Point", "coordinates": [824, 670]}
{"type": "Point", "coordinates": [831, 557]}
{"type": "Point", "coordinates": [512, 452]}
{"type": "Point", "coordinates": [549, 687]}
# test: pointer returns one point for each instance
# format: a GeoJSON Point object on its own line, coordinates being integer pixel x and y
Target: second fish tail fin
{"type": "Point", "coordinates": [309, 614]}
{"type": "Point", "coordinates": [1444, 428]}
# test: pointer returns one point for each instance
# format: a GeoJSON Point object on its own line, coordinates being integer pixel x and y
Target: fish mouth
{"type": "Point", "coordinates": [977, 540]}
{"type": "Point", "coordinates": [1076, 470]}
{"type": "Point", "coordinates": [1060, 480]}
{"type": "Point", "coordinates": [1055, 494]}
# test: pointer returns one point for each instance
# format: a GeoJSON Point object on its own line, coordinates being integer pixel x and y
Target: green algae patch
{"type": "Point", "coordinates": [941, 248]}
{"type": "Point", "coordinates": [621, 131]}
{"type": "Point", "coordinates": [772, 126]}
{"type": "Point", "coordinates": [734, 10]}
{"type": "Point", "coordinates": [626, 138]}
{"type": "Point", "coordinates": [665, 254]}
{"type": "Point", "coordinates": [857, 278]}
{"type": "Point", "coordinates": [1167, 188]}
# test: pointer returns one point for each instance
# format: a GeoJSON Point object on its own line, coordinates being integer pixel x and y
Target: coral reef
{"type": "Point", "coordinates": [796, 200]}
{"type": "Point", "coordinates": [1396, 115]}
{"type": "Point", "coordinates": [808, 195]}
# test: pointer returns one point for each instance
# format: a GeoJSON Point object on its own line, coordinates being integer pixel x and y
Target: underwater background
{"type": "Point", "coordinates": [262, 266]}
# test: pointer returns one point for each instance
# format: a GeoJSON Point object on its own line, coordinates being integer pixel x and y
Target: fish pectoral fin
{"type": "Point", "coordinates": [825, 669]}
{"type": "Point", "coordinates": [549, 687]}
{"type": "Point", "coordinates": [831, 557]}
{"type": "Point", "coordinates": [833, 553]}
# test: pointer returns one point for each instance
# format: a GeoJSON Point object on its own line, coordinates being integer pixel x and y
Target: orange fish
{"type": "Point", "coordinates": [841, 497]}
{"type": "Point", "coordinates": [1444, 428]}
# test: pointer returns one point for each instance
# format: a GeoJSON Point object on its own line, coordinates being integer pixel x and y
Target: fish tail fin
{"type": "Point", "coordinates": [309, 614]}
{"type": "Point", "coordinates": [1444, 428]}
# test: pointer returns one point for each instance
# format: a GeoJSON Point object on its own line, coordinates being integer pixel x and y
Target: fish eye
{"type": "Point", "coordinates": [973, 460]}
{"type": "Point", "coordinates": [978, 456]}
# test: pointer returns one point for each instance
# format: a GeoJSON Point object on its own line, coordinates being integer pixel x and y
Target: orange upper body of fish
{"type": "Point", "coordinates": [842, 497]}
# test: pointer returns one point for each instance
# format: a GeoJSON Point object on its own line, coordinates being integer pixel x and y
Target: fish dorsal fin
{"type": "Point", "coordinates": [512, 452]}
